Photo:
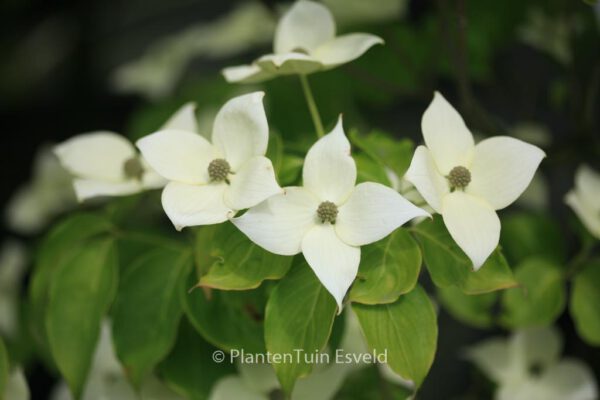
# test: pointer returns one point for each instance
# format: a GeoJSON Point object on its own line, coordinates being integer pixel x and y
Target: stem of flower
{"type": "Point", "coordinates": [312, 106]}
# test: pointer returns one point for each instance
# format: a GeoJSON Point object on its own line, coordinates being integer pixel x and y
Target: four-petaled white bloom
{"type": "Point", "coordinates": [329, 218]}
{"type": "Point", "coordinates": [107, 164]}
{"type": "Point", "coordinates": [465, 182]}
{"type": "Point", "coordinates": [584, 199]}
{"type": "Point", "coordinates": [208, 182]}
{"type": "Point", "coordinates": [526, 367]}
{"type": "Point", "coordinates": [305, 42]}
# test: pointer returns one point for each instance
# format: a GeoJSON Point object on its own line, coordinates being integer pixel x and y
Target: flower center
{"type": "Point", "coordinates": [459, 177]}
{"type": "Point", "coordinates": [219, 169]}
{"type": "Point", "coordinates": [133, 169]}
{"type": "Point", "coordinates": [327, 212]}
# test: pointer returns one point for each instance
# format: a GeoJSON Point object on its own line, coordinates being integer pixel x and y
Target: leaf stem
{"type": "Point", "coordinates": [312, 106]}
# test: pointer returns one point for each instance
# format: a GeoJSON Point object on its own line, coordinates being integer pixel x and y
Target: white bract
{"type": "Point", "coordinates": [467, 183]}
{"type": "Point", "coordinates": [105, 163]}
{"type": "Point", "coordinates": [305, 42]}
{"type": "Point", "coordinates": [329, 218]}
{"type": "Point", "coordinates": [584, 199]}
{"type": "Point", "coordinates": [209, 182]}
{"type": "Point", "coordinates": [527, 367]}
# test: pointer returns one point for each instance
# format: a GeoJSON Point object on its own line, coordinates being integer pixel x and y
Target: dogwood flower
{"type": "Point", "coordinates": [467, 183]}
{"type": "Point", "coordinates": [527, 367]}
{"type": "Point", "coordinates": [105, 163]}
{"type": "Point", "coordinates": [305, 42]}
{"type": "Point", "coordinates": [208, 182]}
{"type": "Point", "coordinates": [583, 199]}
{"type": "Point", "coordinates": [329, 218]}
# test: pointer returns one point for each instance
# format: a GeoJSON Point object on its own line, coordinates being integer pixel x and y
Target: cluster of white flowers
{"type": "Point", "coordinates": [225, 176]}
{"type": "Point", "coordinates": [330, 217]}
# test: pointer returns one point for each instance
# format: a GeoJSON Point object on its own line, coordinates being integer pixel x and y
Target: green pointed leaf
{"type": "Point", "coordinates": [239, 264]}
{"type": "Point", "coordinates": [4, 367]}
{"type": "Point", "coordinates": [291, 167]}
{"type": "Point", "coordinates": [275, 151]}
{"type": "Point", "coordinates": [449, 266]}
{"type": "Point", "coordinates": [80, 294]}
{"type": "Point", "coordinates": [189, 369]}
{"type": "Point", "coordinates": [472, 309]}
{"type": "Point", "coordinates": [227, 319]}
{"type": "Point", "coordinates": [147, 310]}
{"type": "Point", "coordinates": [406, 330]}
{"type": "Point", "coordinates": [539, 299]}
{"type": "Point", "coordinates": [367, 384]}
{"type": "Point", "coordinates": [526, 235]}
{"type": "Point", "coordinates": [299, 316]}
{"type": "Point", "coordinates": [369, 170]}
{"type": "Point", "coordinates": [585, 300]}
{"type": "Point", "coordinates": [390, 152]}
{"type": "Point", "coordinates": [57, 248]}
{"type": "Point", "coordinates": [388, 269]}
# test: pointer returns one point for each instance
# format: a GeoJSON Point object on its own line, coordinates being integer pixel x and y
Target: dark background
{"type": "Point", "coordinates": [57, 57]}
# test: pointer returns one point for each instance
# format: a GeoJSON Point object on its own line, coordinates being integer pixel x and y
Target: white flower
{"type": "Point", "coordinates": [107, 164]}
{"type": "Point", "coordinates": [527, 367]}
{"type": "Point", "coordinates": [584, 198]}
{"type": "Point", "coordinates": [208, 182]}
{"type": "Point", "coordinates": [465, 182]}
{"type": "Point", "coordinates": [305, 42]}
{"type": "Point", "coordinates": [13, 262]}
{"type": "Point", "coordinates": [329, 218]}
{"type": "Point", "coordinates": [47, 194]}
{"type": "Point", "coordinates": [107, 379]}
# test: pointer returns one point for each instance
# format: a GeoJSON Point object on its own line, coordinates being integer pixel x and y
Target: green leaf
{"type": "Point", "coordinates": [227, 319]}
{"type": "Point", "coordinates": [368, 384]}
{"type": "Point", "coordinates": [369, 170]}
{"type": "Point", "coordinates": [275, 151]}
{"type": "Point", "coordinates": [388, 151]}
{"type": "Point", "coordinates": [388, 269]}
{"type": "Point", "coordinates": [299, 316]}
{"type": "Point", "coordinates": [475, 310]}
{"type": "Point", "coordinates": [585, 299]}
{"type": "Point", "coordinates": [189, 369]}
{"type": "Point", "coordinates": [239, 264]}
{"type": "Point", "coordinates": [4, 367]}
{"type": "Point", "coordinates": [524, 235]}
{"type": "Point", "coordinates": [540, 298]}
{"type": "Point", "coordinates": [147, 309]}
{"type": "Point", "coordinates": [406, 330]}
{"type": "Point", "coordinates": [291, 167]}
{"type": "Point", "coordinates": [57, 248]}
{"type": "Point", "coordinates": [449, 266]}
{"type": "Point", "coordinates": [80, 294]}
